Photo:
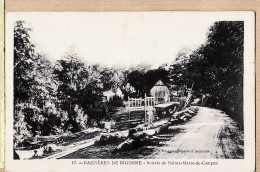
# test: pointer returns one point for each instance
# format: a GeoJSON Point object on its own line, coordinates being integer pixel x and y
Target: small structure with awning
{"type": "Point", "coordinates": [161, 92]}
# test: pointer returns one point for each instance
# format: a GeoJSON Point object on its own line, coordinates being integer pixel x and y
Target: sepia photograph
{"type": "Point", "coordinates": [127, 85]}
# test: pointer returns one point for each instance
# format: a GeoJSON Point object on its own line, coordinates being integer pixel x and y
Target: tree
{"type": "Point", "coordinates": [91, 95]}
{"type": "Point", "coordinates": [45, 97]}
{"type": "Point", "coordinates": [178, 70]}
{"type": "Point", "coordinates": [112, 78]}
{"type": "Point", "coordinates": [21, 129]}
{"type": "Point", "coordinates": [35, 112]}
{"type": "Point", "coordinates": [153, 76]}
{"type": "Point", "coordinates": [66, 71]}
{"type": "Point", "coordinates": [224, 51]}
{"type": "Point", "coordinates": [144, 80]}
{"type": "Point", "coordinates": [80, 91]}
{"type": "Point", "coordinates": [216, 68]}
{"type": "Point", "coordinates": [24, 60]}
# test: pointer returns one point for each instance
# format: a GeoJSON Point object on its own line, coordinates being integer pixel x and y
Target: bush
{"type": "Point", "coordinates": [116, 101]}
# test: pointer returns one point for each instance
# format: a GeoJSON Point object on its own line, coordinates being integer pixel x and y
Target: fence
{"type": "Point", "coordinates": [146, 102]}
{"type": "Point", "coordinates": [135, 102]}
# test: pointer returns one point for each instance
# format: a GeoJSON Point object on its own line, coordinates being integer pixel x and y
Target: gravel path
{"type": "Point", "coordinates": [209, 134]}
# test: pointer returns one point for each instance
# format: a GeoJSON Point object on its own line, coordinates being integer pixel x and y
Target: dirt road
{"type": "Point", "coordinates": [209, 134]}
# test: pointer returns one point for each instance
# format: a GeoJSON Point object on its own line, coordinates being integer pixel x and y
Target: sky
{"type": "Point", "coordinates": [119, 38]}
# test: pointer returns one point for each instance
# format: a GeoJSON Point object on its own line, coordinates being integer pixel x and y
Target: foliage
{"type": "Point", "coordinates": [143, 81]}
{"type": "Point", "coordinates": [21, 128]}
{"type": "Point", "coordinates": [79, 87]}
{"type": "Point", "coordinates": [112, 78]}
{"type": "Point", "coordinates": [24, 58]}
{"type": "Point", "coordinates": [128, 91]}
{"type": "Point", "coordinates": [68, 96]}
{"type": "Point", "coordinates": [216, 68]}
{"type": "Point", "coordinates": [52, 99]}
{"type": "Point", "coordinates": [34, 89]}
{"type": "Point", "coordinates": [116, 102]}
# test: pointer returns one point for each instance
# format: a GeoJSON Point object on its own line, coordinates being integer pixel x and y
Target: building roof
{"type": "Point", "coordinates": [159, 83]}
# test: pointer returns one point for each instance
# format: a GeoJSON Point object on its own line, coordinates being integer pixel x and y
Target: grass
{"type": "Point", "coordinates": [231, 142]}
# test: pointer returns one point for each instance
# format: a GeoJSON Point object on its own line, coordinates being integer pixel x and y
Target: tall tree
{"type": "Point", "coordinates": [216, 68]}
{"type": "Point", "coordinates": [66, 72]}
{"type": "Point", "coordinates": [224, 51]}
{"type": "Point", "coordinates": [24, 61]}
{"type": "Point", "coordinates": [80, 89]}
{"type": "Point", "coordinates": [34, 88]}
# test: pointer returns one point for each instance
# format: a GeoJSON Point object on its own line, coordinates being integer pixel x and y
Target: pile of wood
{"type": "Point", "coordinates": [137, 138]}
{"type": "Point", "coordinates": [163, 128]}
{"type": "Point", "coordinates": [184, 115]}
{"type": "Point", "coordinates": [135, 141]}
{"type": "Point", "coordinates": [109, 138]}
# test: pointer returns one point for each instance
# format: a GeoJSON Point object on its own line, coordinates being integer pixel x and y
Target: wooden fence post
{"type": "Point", "coordinates": [129, 107]}
{"type": "Point", "coordinates": [144, 108]}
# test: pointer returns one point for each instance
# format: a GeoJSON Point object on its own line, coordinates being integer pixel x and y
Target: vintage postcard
{"type": "Point", "coordinates": [171, 91]}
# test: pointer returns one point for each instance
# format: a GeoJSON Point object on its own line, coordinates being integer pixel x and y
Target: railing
{"type": "Point", "coordinates": [149, 101]}
{"type": "Point", "coordinates": [146, 102]}
{"type": "Point", "coordinates": [135, 102]}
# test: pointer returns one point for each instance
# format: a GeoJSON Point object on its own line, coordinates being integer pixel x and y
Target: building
{"type": "Point", "coordinates": [161, 92]}
{"type": "Point", "coordinates": [108, 95]}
